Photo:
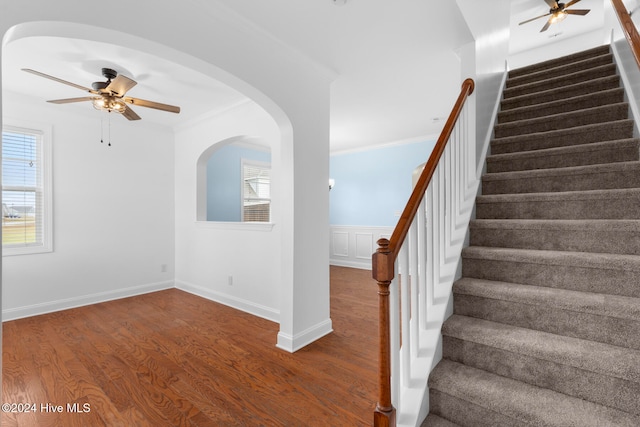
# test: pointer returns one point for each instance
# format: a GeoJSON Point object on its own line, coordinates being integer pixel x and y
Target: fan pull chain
{"type": "Point", "coordinates": [109, 129]}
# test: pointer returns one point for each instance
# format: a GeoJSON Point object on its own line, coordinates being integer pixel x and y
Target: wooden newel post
{"type": "Point", "coordinates": [383, 270]}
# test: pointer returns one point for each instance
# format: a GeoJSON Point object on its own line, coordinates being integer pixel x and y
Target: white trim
{"type": "Point", "coordinates": [627, 79]}
{"type": "Point", "coordinates": [68, 303]}
{"type": "Point", "coordinates": [236, 226]}
{"type": "Point", "coordinates": [481, 162]}
{"type": "Point", "coordinates": [230, 301]}
{"type": "Point", "coordinates": [423, 138]}
{"type": "Point", "coordinates": [294, 343]}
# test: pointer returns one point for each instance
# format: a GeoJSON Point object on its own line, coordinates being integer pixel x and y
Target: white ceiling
{"type": "Point", "coordinates": [398, 73]}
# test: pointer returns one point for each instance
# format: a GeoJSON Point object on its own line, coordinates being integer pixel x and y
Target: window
{"type": "Point", "coordinates": [26, 191]}
{"type": "Point", "coordinates": [256, 191]}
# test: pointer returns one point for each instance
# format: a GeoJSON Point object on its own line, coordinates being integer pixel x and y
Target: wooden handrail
{"type": "Point", "coordinates": [629, 28]}
{"type": "Point", "coordinates": [384, 258]}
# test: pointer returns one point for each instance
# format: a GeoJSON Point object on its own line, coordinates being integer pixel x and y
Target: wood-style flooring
{"type": "Point", "coordinates": [170, 358]}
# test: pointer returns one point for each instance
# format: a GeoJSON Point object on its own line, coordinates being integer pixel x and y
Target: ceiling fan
{"type": "Point", "coordinates": [109, 95]}
{"type": "Point", "coordinates": [558, 12]}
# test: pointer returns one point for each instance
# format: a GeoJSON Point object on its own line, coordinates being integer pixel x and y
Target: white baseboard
{"type": "Point", "coordinates": [231, 301]}
{"type": "Point", "coordinates": [351, 264]}
{"type": "Point", "coordinates": [294, 343]}
{"type": "Point", "coordinates": [67, 303]}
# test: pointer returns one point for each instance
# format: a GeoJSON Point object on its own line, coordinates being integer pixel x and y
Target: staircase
{"type": "Point", "coordinates": [546, 323]}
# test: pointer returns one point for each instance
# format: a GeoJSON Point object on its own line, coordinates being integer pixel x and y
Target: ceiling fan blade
{"type": "Point", "coordinates": [571, 3]}
{"type": "Point", "coordinates": [533, 19]}
{"type": "Point", "coordinates": [55, 79]}
{"type": "Point", "coordinates": [151, 104]}
{"type": "Point", "coordinates": [547, 25]}
{"type": "Point", "coordinates": [120, 85]}
{"type": "Point", "coordinates": [129, 114]}
{"type": "Point", "coordinates": [577, 11]}
{"type": "Point", "coordinates": [70, 100]}
{"type": "Point", "coordinates": [553, 4]}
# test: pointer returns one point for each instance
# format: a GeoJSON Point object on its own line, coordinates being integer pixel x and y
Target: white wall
{"type": "Point", "coordinates": [209, 253]}
{"type": "Point", "coordinates": [113, 212]}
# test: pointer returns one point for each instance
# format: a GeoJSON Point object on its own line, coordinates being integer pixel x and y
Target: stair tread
{"type": "Point", "coordinates": [542, 96]}
{"type": "Point", "coordinates": [594, 112]}
{"type": "Point", "coordinates": [554, 62]}
{"type": "Point", "coordinates": [522, 402]}
{"type": "Point", "coordinates": [632, 166]}
{"type": "Point", "coordinates": [559, 196]}
{"type": "Point", "coordinates": [575, 103]}
{"type": "Point", "coordinates": [561, 69]}
{"type": "Point", "coordinates": [604, 359]}
{"type": "Point", "coordinates": [554, 82]}
{"type": "Point", "coordinates": [617, 306]}
{"type": "Point", "coordinates": [600, 129]}
{"type": "Point", "coordinates": [603, 261]}
{"type": "Point", "coordinates": [629, 225]}
{"type": "Point", "coordinates": [433, 420]}
{"type": "Point", "coordinates": [562, 151]}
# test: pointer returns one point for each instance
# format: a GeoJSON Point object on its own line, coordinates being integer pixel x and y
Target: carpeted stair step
{"type": "Point", "coordinates": [614, 274]}
{"type": "Point", "coordinates": [623, 150]}
{"type": "Point", "coordinates": [594, 204]}
{"type": "Point", "coordinates": [598, 132]}
{"type": "Point", "coordinates": [560, 70]}
{"type": "Point", "coordinates": [575, 178]}
{"type": "Point", "coordinates": [564, 92]}
{"type": "Point", "coordinates": [571, 119]}
{"type": "Point", "coordinates": [598, 236]}
{"type": "Point", "coordinates": [609, 319]}
{"type": "Point", "coordinates": [476, 398]}
{"type": "Point", "coordinates": [596, 372]}
{"type": "Point", "coordinates": [581, 76]}
{"type": "Point", "coordinates": [594, 99]}
{"type": "Point", "coordinates": [558, 62]}
{"type": "Point", "coordinates": [433, 420]}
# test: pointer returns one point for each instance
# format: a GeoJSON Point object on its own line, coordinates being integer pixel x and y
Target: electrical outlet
{"type": "Point", "coordinates": [230, 281]}
{"type": "Point", "coordinates": [163, 268]}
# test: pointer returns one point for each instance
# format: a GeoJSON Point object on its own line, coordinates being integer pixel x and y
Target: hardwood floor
{"type": "Point", "coordinates": [174, 359]}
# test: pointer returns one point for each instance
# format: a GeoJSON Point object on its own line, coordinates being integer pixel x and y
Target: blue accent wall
{"type": "Point", "coordinates": [371, 186]}
{"type": "Point", "coordinates": [224, 172]}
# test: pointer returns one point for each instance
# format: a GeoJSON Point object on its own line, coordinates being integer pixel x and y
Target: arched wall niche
{"type": "Point", "coordinates": [202, 166]}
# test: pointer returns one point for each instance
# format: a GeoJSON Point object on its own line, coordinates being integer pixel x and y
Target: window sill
{"type": "Point", "coordinates": [239, 226]}
{"type": "Point", "coordinates": [26, 251]}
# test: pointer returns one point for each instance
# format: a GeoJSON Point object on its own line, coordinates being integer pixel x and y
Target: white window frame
{"type": "Point", "coordinates": [255, 163]}
{"type": "Point", "coordinates": [45, 157]}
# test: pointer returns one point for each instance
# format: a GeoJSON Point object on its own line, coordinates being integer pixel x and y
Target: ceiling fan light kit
{"type": "Point", "coordinates": [558, 12]}
{"type": "Point", "coordinates": [109, 103]}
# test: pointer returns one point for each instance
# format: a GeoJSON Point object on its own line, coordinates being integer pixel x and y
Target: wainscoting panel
{"type": "Point", "coordinates": [340, 243]}
{"type": "Point", "coordinates": [352, 246]}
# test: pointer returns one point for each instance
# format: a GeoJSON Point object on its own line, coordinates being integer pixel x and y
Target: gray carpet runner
{"type": "Point", "coordinates": [546, 323]}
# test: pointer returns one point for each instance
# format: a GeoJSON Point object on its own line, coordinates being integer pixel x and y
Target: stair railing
{"type": "Point", "coordinates": [430, 220]}
{"type": "Point", "coordinates": [628, 27]}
